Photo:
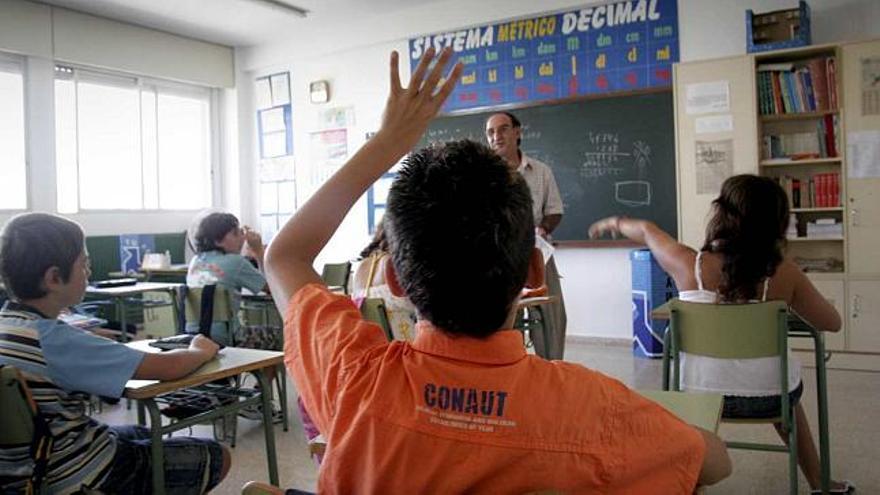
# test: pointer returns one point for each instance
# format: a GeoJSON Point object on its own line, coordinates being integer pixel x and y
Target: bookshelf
{"type": "Point", "coordinates": [845, 268]}
{"type": "Point", "coordinates": [800, 137]}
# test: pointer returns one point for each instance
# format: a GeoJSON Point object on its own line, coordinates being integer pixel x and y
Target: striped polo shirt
{"type": "Point", "coordinates": [83, 448]}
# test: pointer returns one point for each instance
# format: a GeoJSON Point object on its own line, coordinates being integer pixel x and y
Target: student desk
{"type": "Point", "coordinates": [533, 319]}
{"type": "Point", "coordinates": [230, 361]}
{"type": "Point", "coordinates": [174, 273]}
{"type": "Point", "coordinates": [120, 295]}
{"type": "Point", "coordinates": [698, 409]}
{"type": "Point", "coordinates": [798, 328]}
{"type": "Point", "coordinates": [260, 301]}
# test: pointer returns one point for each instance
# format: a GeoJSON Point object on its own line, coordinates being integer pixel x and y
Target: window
{"type": "Point", "coordinates": [13, 175]}
{"type": "Point", "coordinates": [124, 143]}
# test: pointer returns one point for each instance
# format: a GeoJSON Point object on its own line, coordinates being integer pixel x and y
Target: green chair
{"type": "Point", "coordinates": [22, 425]}
{"type": "Point", "coordinates": [373, 309]}
{"type": "Point", "coordinates": [221, 311]}
{"type": "Point", "coordinates": [335, 275]}
{"type": "Point", "coordinates": [735, 331]}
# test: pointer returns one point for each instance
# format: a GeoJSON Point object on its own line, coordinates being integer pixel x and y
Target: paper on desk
{"type": "Point", "coordinates": [546, 248]}
{"type": "Point", "coordinates": [863, 154]}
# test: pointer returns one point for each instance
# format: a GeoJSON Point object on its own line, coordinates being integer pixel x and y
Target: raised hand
{"type": "Point", "coordinates": [409, 110]}
{"type": "Point", "coordinates": [606, 225]}
{"type": "Point", "coordinates": [253, 239]}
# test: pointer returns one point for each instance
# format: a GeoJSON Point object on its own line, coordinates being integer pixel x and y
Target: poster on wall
{"type": "Point", "coordinates": [714, 162]}
{"type": "Point", "coordinates": [132, 248]}
{"type": "Point", "coordinates": [274, 115]}
{"type": "Point", "coordinates": [328, 152]}
{"type": "Point", "coordinates": [623, 45]}
{"type": "Point", "coordinates": [871, 86]}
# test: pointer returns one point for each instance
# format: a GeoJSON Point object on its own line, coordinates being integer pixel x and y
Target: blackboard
{"type": "Point", "coordinates": [610, 156]}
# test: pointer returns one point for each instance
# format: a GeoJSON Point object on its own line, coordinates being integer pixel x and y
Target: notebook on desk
{"type": "Point", "coordinates": [114, 282]}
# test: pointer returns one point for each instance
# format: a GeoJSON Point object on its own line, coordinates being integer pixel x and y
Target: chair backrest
{"type": "Point", "coordinates": [222, 304]}
{"type": "Point", "coordinates": [17, 410]}
{"type": "Point", "coordinates": [21, 424]}
{"type": "Point", "coordinates": [373, 309]}
{"type": "Point", "coordinates": [730, 331]}
{"type": "Point", "coordinates": [335, 275]}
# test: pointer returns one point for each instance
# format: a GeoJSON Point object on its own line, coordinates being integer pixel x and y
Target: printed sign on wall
{"type": "Point", "coordinates": [619, 46]}
{"type": "Point", "coordinates": [132, 248]}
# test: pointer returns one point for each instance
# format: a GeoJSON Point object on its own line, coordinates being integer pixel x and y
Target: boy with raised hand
{"type": "Point", "coordinates": [45, 268]}
{"type": "Point", "coordinates": [463, 408]}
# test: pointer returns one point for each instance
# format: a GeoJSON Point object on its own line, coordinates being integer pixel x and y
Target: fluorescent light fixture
{"type": "Point", "coordinates": [283, 5]}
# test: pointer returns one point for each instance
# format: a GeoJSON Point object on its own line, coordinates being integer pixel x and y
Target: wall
{"type": "Point", "coordinates": [353, 57]}
{"type": "Point", "coordinates": [44, 35]}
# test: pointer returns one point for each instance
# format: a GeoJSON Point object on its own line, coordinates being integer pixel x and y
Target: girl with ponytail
{"type": "Point", "coordinates": [742, 260]}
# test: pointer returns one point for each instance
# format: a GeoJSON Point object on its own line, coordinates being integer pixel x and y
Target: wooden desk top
{"type": "Point", "coordinates": [247, 295]}
{"type": "Point", "coordinates": [230, 361]}
{"type": "Point", "coordinates": [661, 312]}
{"type": "Point", "coordinates": [699, 409]}
{"type": "Point", "coordinates": [175, 269]}
{"type": "Point", "coordinates": [128, 290]}
{"type": "Point", "coordinates": [535, 301]}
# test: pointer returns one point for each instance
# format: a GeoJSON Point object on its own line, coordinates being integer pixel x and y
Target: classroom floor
{"type": "Point", "coordinates": [854, 401]}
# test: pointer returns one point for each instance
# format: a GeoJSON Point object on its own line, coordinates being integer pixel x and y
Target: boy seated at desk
{"type": "Point", "coordinates": [219, 241]}
{"type": "Point", "coordinates": [463, 408]}
{"type": "Point", "coordinates": [45, 267]}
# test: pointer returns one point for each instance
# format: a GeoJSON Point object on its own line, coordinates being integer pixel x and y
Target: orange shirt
{"type": "Point", "coordinates": [457, 414]}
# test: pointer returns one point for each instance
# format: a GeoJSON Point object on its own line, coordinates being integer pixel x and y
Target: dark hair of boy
{"type": "Point", "coordinates": [32, 243]}
{"type": "Point", "coordinates": [212, 229]}
{"type": "Point", "coordinates": [748, 225]}
{"type": "Point", "coordinates": [460, 229]}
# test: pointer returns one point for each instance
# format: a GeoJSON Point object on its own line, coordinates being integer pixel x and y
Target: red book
{"type": "Point", "coordinates": [835, 188]}
{"type": "Point", "coordinates": [830, 65]}
{"type": "Point", "coordinates": [830, 141]}
{"type": "Point", "coordinates": [777, 93]}
{"type": "Point", "coordinates": [820, 82]}
{"type": "Point", "coordinates": [820, 190]}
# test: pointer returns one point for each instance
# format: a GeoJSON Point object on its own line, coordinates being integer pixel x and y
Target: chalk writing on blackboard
{"type": "Point", "coordinates": [636, 193]}
{"type": "Point", "coordinates": [603, 156]}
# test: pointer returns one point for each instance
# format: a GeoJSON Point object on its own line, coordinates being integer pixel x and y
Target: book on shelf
{"type": "Point", "coordinates": [798, 87]}
{"type": "Point", "coordinates": [817, 191]}
{"type": "Point", "coordinates": [821, 265]}
{"type": "Point", "coordinates": [824, 228]}
{"type": "Point", "coordinates": [821, 143]}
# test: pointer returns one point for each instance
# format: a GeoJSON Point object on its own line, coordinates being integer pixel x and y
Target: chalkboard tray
{"type": "Point", "coordinates": [610, 156]}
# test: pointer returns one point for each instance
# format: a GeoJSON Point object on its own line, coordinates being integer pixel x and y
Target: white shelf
{"type": "Point", "coordinates": [815, 239]}
{"type": "Point", "coordinates": [817, 209]}
{"type": "Point", "coordinates": [796, 116]}
{"type": "Point", "coordinates": [787, 162]}
{"type": "Point", "coordinates": [826, 276]}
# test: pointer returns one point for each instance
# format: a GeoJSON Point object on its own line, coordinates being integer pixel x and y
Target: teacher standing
{"type": "Point", "coordinates": [504, 133]}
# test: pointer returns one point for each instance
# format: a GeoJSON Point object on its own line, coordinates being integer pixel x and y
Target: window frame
{"type": "Point", "coordinates": [19, 64]}
{"type": "Point", "coordinates": [142, 83]}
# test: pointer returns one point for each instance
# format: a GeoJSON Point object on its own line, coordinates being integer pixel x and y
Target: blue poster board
{"type": "Point", "coordinates": [132, 248]}
{"type": "Point", "coordinates": [620, 46]}
{"type": "Point", "coordinates": [651, 287]}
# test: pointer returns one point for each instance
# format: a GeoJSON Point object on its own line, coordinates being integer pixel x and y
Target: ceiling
{"type": "Point", "coordinates": [234, 22]}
